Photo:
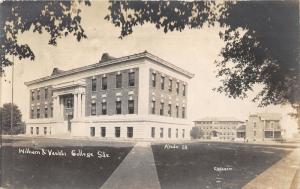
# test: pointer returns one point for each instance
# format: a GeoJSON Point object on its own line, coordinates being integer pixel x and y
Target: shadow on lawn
{"type": "Point", "coordinates": [37, 171]}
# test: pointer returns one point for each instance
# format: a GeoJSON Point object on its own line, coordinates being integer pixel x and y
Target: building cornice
{"type": "Point", "coordinates": [113, 62]}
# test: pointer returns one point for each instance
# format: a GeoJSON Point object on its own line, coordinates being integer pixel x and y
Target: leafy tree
{"type": "Point", "coordinates": [58, 18]}
{"type": "Point", "coordinates": [267, 53]}
{"type": "Point", "coordinates": [5, 120]}
{"type": "Point", "coordinates": [261, 41]}
{"type": "Point", "coordinates": [196, 133]}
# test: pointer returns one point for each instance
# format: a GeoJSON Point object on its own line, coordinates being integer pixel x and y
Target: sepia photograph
{"type": "Point", "coordinates": [144, 94]}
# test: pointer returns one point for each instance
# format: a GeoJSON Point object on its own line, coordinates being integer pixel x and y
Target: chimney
{"type": "Point", "coordinates": [106, 57]}
{"type": "Point", "coordinates": [56, 71]}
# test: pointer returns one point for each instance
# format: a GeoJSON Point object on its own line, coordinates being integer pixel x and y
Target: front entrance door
{"type": "Point", "coordinates": [69, 122]}
{"type": "Point", "coordinates": [214, 133]}
{"type": "Point", "coordinates": [68, 107]}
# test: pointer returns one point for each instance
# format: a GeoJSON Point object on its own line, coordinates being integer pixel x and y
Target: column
{"type": "Point", "coordinates": [83, 105]}
{"type": "Point", "coordinates": [79, 105]}
{"type": "Point", "coordinates": [56, 111]}
{"type": "Point", "coordinates": [75, 108]}
{"type": "Point", "coordinates": [61, 106]}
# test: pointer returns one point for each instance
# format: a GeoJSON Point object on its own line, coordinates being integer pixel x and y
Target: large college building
{"type": "Point", "coordinates": [220, 128]}
{"type": "Point", "coordinates": [139, 96]}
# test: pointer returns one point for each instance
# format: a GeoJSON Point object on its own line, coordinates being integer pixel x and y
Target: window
{"type": "Point", "coordinates": [183, 133]}
{"type": "Point", "coordinates": [31, 130]}
{"type": "Point", "coordinates": [254, 133]}
{"type": "Point", "coordinates": [162, 82]}
{"type": "Point", "coordinates": [93, 108]}
{"type": "Point", "coordinates": [254, 124]}
{"type": "Point", "coordinates": [45, 130]}
{"type": "Point", "coordinates": [38, 113]}
{"type": "Point", "coordinates": [51, 112]}
{"type": "Point", "coordinates": [46, 93]}
{"type": "Point", "coordinates": [153, 79]}
{"type": "Point", "coordinates": [131, 106]}
{"type": "Point", "coordinates": [129, 132]}
{"type": "Point", "coordinates": [92, 131]}
{"type": "Point", "coordinates": [32, 95]}
{"type": "Point", "coordinates": [118, 107]}
{"type": "Point", "coordinates": [153, 107]}
{"type": "Point", "coordinates": [104, 83]}
{"type": "Point", "coordinates": [183, 112]}
{"type": "Point", "coordinates": [46, 113]}
{"type": "Point", "coordinates": [278, 125]}
{"type": "Point", "coordinates": [38, 95]}
{"type": "Point", "coordinates": [94, 84]}
{"type": "Point", "coordinates": [176, 133]}
{"type": "Point", "coordinates": [184, 90]}
{"type": "Point", "coordinates": [177, 111]}
{"type": "Point", "coordinates": [169, 132]}
{"type": "Point", "coordinates": [170, 110]}
{"type": "Point", "coordinates": [104, 108]}
{"type": "Point", "coordinates": [32, 114]}
{"type": "Point", "coordinates": [170, 85]}
{"type": "Point", "coordinates": [277, 134]}
{"type": "Point", "coordinates": [118, 80]}
{"type": "Point", "coordinates": [103, 131]}
{"type": "Point", "coordinates": [117, 132]}
{"type": "Point", "coordinates": [131, 79]}
{"type": "Point", "coordinates": [37, 130]}
{"type": "Point", "coordinates": [177, 87]}
{"type": "Point", "coordinates": [161, 110]}
{"type": "Point", "coordinates": [153, 132]}
{"type": "Point", "coordinates": [161, 134]}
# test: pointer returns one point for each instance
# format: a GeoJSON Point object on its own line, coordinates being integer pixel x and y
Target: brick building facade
{"type": "Point", "coordinates": [134, 97]}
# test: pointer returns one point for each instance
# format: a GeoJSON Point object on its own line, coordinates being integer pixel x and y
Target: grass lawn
{"type": "Point", "coordinates": [180, 168]}
{"type": "Point", "coordinates": [44, 171]}
{"type": "Point", "coordinates": [194, 168]}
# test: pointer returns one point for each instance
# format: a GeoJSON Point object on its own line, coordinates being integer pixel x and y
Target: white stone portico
{"type": "Point", "coordinates": [76, 89]}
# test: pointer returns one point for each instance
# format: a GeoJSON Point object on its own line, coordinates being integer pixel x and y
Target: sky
{"type": "Point", "coordinates": [194, 50]}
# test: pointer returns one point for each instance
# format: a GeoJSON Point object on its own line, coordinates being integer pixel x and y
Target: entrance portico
{"type": "Point", "coordinates": [69, 100]}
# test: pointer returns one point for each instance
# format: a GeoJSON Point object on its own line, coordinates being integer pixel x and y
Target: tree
{"type": "Point", "coordinates": [196, 133]}
{"type": "Point", "coordinates": [267, 53]}
{"type": "Point", "coordinates": [261, 41]}
{"type": "Point", "coordinates": [5, 120]}
{"type": "Point", "coordinates": [58, 18]}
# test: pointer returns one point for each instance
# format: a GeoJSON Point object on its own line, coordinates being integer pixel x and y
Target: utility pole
{"type": "Point", "coordinates": [12, 98]}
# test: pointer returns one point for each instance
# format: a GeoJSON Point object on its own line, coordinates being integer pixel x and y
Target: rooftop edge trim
{"type": "Point", "coordinates": [111, 62]}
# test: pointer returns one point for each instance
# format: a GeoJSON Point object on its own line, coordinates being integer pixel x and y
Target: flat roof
{"type": "Point", "coordinates": [224, 119]}
{"type": "Point", "coordinates": [268, 116]}
{"type": "Point", "coordinates": [109, 62]}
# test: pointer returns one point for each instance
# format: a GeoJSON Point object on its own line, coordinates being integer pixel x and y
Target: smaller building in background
{"type": "Point", "coordinates": [263, 127]}
{"type": "Point", "coordinates": [241, 133]}
{"type": "Point", "coordinates": [219, 128]}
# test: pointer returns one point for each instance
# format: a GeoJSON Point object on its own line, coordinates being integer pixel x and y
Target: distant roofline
{"type": "Point", "coordinates": [267, 116]}
{"type": "Point", "coordinates": [219, 119]}
{"type": "Point", "coordinates": [144, 54]}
